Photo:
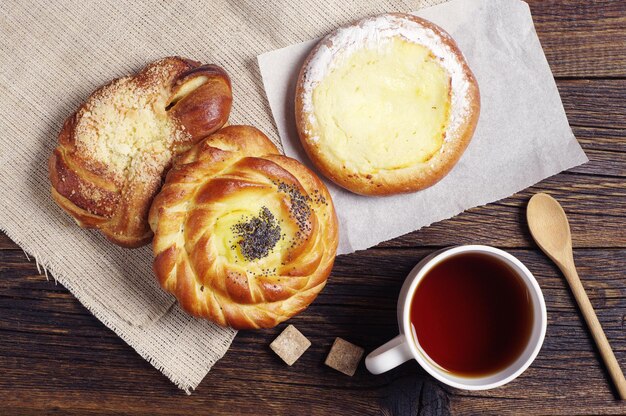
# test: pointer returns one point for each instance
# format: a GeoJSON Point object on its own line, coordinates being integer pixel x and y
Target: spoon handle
{"type": "Point", "coordinates": [599, 337]}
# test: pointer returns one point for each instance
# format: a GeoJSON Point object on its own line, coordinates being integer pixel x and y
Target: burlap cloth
{"type": "Point", "coordinates": [52, 55]}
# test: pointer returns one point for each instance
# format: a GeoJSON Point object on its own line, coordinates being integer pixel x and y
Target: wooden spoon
{"type": "Point", "coordinates": [550, 229]}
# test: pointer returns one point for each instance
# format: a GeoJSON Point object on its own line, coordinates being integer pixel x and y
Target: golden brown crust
{"type": "Point", "coordinates": [111, 188]}
{"type": "Point", "coordinates": [389, 182]}
{"type": "Point", "coordinates": [227, 177]}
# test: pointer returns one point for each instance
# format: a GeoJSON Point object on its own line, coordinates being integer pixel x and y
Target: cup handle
{"type": "Point", "coordinates": [389, 355]}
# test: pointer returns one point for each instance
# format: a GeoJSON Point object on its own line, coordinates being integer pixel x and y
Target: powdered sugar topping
{"type": "Point", "coordinates": [375, 32]}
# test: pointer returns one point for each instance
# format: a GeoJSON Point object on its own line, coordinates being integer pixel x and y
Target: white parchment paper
{"type": "Point", "coordinates": [522, 136]}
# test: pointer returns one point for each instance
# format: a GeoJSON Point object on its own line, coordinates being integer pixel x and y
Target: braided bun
{"type": "Point", "coordinates": [113, 151]}
{"type": "Point", "coordinates": [244, 236]}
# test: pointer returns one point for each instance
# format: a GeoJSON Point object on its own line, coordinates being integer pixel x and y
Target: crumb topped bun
{"type": "Point", "coordinates": [115, 149]}
{"type": "Point", "coordinates": [386, 105]}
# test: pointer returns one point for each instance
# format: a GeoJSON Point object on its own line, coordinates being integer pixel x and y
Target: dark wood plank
{"type": "Point", "coordinates": [594, 102]}
{"type": "Point", "coordinates": [606, 149]}
{"type": "Point", "coordinates": [601, 139]}
{"type": "Point", "coordinates": [596, 208]}
{"type": "Point", "coordinates": [582, 38]}
{"type": "Point", "coordinates": [6, 243]}
{"type": "Point", "coordinates": [51, 344]}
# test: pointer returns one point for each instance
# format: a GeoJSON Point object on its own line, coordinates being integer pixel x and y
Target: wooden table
{"type": "Point", "coordinates": [55, 356]}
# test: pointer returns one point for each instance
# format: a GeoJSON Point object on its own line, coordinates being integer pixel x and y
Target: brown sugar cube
{"type": "Point", "coordinates": [344, 356]}
{"type": "Point", "coordinates": [290, 345]}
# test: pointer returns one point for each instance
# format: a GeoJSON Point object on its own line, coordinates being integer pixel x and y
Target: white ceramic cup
{"type": "Point", "coordinates": [405, 347]}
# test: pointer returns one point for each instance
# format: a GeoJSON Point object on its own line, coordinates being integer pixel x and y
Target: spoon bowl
{"type": "Point", "coordinates": [549, 227]}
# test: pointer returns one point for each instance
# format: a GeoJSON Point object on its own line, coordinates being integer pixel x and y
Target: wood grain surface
{"type": "Point", "coordinates": [56, 358]}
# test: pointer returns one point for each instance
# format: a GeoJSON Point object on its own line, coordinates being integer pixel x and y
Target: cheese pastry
{"type": "Point", "coordinates": [386, 105]}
